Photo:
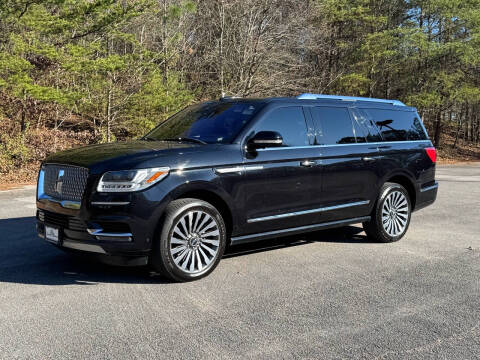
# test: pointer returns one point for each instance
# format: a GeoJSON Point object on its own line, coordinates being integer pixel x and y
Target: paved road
{"type": "Point", "coordinates": [332, 294]}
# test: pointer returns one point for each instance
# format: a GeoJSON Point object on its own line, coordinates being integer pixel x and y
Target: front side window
{"type": "Point", "coordinates": [210, 122]}
{"type": "Point", "coordinates": [333, 125]}
{"type": "Point", "coordinates": [397, 125]}
{"type": "Point", "coordinates": [289, 122]}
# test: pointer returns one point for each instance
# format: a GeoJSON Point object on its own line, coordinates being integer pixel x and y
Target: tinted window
{"type": "Point", "coordinates": [397, 125]}
{"type": "Point", "coordinates": [333, 125]}
{"type": "Point", "coordinates": [211, 122]}
{"type": "Point", "coordinates": [359, 131]}
{"type": "Point", "coordinates": [289, 122]}
{"type": "Point", "coordinates": [366, 125]}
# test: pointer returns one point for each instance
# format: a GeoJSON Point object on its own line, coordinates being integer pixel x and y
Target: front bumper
{"type": "Point", "coordinates": [74, 234]}
{"type": "Point", "coordinates": [124, 226]}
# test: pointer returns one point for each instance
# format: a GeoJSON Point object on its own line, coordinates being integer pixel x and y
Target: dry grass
{"type": "Point", "coordinates": [464, 152]}
{"type": "Point", "coordinates": [40, 143]}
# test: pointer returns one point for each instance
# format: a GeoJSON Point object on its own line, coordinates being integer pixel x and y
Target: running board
{"type": "Point", "coordinates": [297, 230]}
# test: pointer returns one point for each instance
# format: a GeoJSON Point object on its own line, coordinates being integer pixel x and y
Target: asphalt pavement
{"type": "Point", "coordinates": [330, 294]}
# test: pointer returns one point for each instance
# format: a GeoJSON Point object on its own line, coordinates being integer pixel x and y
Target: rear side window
{"type": "Point", "coordinates": [333, 125]}
{"type": "Point", "coordinates": [289, 122]}
{"type": "Point", "coordinates": [366, 125]}
{"type": "Point", "coordinates": [397, 125]}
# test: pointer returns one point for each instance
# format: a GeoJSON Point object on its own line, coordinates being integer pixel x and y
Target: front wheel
{"type": "Point", "coordinates": [391, 215]}
{"type": "Point", "coordinates": [191, 242]}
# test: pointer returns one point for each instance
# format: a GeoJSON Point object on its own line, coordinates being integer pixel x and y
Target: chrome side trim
{"type": "Point", "coordinates": [353, 144]}
{"type": "Point", "coordinates": [428, 188]}
{"type": "Point", "coordinates": [253, 167]}
{"type": "Point", "coordinates": [312, 211]}
{"type": "Point", "coordinates": [276, 141]}
{"type": "Point", "coordinates": [113, 203]}
{"type": "Point", "coordinates": [237, 169]}
{"type": "Point", "coordinates": [84, 247]}
{"type": "Point", "coordinates": [271, 234]}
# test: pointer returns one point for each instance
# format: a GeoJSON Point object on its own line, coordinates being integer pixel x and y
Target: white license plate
{"type": "Point", "coordinates": [51, 234]}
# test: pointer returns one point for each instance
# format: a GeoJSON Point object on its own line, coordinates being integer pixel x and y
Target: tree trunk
{"type": "Point", "coordinates": [109, 112]}
{"type": "Point", "coordinates": [220, 50]}
{"type": "Point", "coordinates": [438, 129]}
{"type": "Point", "coordinates": [464, 110]}
{"type": "Point", "coordinates": [23, 115]}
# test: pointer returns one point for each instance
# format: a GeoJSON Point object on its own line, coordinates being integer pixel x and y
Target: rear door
{"type": "Point", "coordinates": [350, 177]}
{"type": "Point", "coordinates": [280, 182]}
{"type": "Point", "coordinates": [403, 142]}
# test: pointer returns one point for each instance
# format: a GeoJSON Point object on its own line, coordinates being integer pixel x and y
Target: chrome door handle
{"type": "Point", "coordinates": [308, 163]}
{"type": "Point", "coordinates": [367, 158]}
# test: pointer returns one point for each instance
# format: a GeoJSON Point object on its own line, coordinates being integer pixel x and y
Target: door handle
{"type": "Point", "coordinates": [308, 163]}
{"type": "Point", "coordinates": [368, 158]}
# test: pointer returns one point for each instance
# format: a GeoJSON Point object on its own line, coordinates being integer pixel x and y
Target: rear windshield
{"type": "Point", "coordinates": [210, 122]}
{"type": "Point", "coordinates": [397, 125]}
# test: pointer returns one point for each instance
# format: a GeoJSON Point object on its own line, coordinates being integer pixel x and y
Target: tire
{"type": "Point", "coordinates": [191, 242]}
{"type": "Point", "coordinates": [391, 215]}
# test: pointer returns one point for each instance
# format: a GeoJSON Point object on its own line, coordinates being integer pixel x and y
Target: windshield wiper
{"type": "Point", "coordinates": [187, 139]}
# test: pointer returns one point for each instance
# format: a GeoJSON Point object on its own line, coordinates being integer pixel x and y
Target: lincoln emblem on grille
{"type": "Point", "coordinates": [59, 181]}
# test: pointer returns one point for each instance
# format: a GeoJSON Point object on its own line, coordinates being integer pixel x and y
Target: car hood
{"type": "Point", "coordinates": [123, 155]}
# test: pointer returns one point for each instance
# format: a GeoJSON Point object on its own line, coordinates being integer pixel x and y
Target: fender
{"type": "Point", "coordinates": [398, 172]}
{"type": "Point", "coordinates": [204, 188]}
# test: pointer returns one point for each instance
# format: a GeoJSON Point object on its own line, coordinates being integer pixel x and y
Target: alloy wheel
{"type": "Point", "coordinates": [195, 241]}
{"type": "Point", "coordinates": [395, 212]}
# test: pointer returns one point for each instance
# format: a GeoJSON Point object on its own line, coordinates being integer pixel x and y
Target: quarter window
{"type": "Point", "coordinates": [398, 125]}
{"type": "Point", "coordinates": [288, 122]}
{"type": "Point", "coordinates": [333, 125]}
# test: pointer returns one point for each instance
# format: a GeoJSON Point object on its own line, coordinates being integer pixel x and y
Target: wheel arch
{"type": "Point", "coordinates": [207, 192]}
{"type": "Point", "coordinates": [407, 182]}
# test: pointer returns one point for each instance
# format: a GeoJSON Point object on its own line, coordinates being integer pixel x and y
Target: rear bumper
{"type": "Point", "coordinates": [426, 195]}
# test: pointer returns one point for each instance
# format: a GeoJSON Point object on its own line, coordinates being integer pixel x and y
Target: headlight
{"type": "Point", "coordinates": [131, 180]}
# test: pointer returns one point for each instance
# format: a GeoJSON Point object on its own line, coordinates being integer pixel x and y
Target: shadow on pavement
{"type": "Point", "coordinates": [27, 259]}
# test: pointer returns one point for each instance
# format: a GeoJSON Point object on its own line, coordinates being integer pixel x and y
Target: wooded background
{"type": "Point", "coordinates": [76, 72]}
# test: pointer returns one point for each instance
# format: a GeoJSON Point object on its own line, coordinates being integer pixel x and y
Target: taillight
{"type": "Point", "coordinates": [432, 153]}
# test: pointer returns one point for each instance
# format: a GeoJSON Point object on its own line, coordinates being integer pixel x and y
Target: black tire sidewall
{"type": "Point", "coordinates": [386, 190]}
{"type": "Point", "coordinates": [166, 233]}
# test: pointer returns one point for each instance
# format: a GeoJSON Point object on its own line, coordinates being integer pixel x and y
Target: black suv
{"type": "Point", "coordinates": [238, 170]}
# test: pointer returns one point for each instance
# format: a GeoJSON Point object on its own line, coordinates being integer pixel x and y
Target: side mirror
{"type": "Point", "coordinates": [265, 139]}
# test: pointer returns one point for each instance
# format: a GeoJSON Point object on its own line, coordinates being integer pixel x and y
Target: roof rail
{"type": "Point", "coordinates": [348, 98]}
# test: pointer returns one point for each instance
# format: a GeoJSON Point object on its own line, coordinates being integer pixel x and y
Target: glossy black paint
{"type": "Point", "coordinates": [272, 181]}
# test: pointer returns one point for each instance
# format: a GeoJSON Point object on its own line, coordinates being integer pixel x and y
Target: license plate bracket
{"type": "Point", "coordinates": [52, 234]}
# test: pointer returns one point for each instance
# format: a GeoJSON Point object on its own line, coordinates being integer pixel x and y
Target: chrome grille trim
{"type": "Point", "coordinates": [64, 182]}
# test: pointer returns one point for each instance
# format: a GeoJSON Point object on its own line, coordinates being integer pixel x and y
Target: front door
{"type": "Point", "coordinates": [281, 183]}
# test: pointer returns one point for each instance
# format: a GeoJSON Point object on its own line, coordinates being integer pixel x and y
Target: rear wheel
{"type": "Point", "coordinates": [391, 216]}
{"type": "Point", "coordinates": [191, 242]}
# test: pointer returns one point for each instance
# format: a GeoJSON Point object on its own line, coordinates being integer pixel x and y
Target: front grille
{"type": "Point", "coordinates": [65, 182]}
{"type": "Point", "coordinates": [60, 220]}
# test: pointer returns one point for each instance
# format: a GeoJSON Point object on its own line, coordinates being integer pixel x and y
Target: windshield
{"type": "Point", "coordinates": [210, 122]}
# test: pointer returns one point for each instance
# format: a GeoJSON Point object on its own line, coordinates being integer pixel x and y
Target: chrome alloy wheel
{"type": "Point", "coordinates": [194, 241]}
{"type": "Point", "coordinates": [395, 212]}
